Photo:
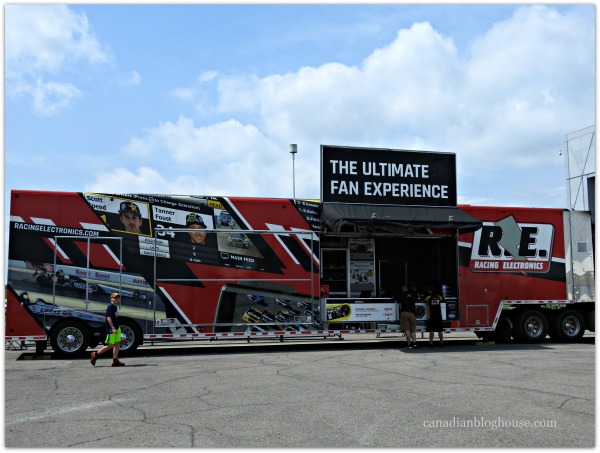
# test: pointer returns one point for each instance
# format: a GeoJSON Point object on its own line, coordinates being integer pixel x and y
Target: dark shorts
{"type": "Point", "coordinates": [434, 325]}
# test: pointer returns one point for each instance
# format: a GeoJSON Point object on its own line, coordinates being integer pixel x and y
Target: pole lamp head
{"type": "Point", "coordinates": [293, 149]}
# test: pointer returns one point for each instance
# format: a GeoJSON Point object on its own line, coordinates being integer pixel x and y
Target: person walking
{"type": "Point", "coordinates": [113, 332]}
{"type": "Point", "coordinates": [408, 317]}
{"type": "Point", "coordinates": [434, 318]}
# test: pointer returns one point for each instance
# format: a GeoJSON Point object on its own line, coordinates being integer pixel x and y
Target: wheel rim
{"type": "Point", "coordinates": [70, 339]}
{"type": "Point", "coordinates": [571, 326]}
{"type": "Point", "coordinates": [127, 338]}
{"type": "Point", "coordinates": [534, 327]}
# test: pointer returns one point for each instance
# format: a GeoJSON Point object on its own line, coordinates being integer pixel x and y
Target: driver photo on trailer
{"type": "Point", "coordinates": [195, 221]}
{"type": "Point", "coordinates": [200, 245]}
{"type": "Point", "coordinates": [199, 235]}
{"type": "Point", "coordinates": [133, 218]}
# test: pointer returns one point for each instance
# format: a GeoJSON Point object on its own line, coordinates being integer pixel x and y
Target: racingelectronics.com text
{"type": "Point", "coordinates": [488, 423]}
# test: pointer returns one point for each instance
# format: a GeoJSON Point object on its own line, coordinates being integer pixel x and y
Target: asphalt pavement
{"type": "Point", "coordinates": [307, 395]}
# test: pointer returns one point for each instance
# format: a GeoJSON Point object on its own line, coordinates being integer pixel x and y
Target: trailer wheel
{"type": "Point", "coordinates": [40, 346]}
{"type": "Point", "coordinates": [69, 338]}
{"type": "Point", "coordinates": [43, 280]}
{"type": "Point", "coordinates": [531, 326]}
{"type": "Point", "coordinates": [590, 320]}
{"type": "Point", "coordinates": [94, 341]}
{"type": "Point", "coordinates": [503, 332]}
{"type": "Point", "coordinates": [131, 337]}
{"type": "Point", "coordinates": [569, 325]}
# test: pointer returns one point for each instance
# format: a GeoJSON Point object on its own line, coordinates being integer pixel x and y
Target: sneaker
{"type": "Point", "coordinates": [407, 346]}
{"type": "Point", "coordinates": [117, 362]}
{"type": "Point", "coordinates": [94, 358]}
{"type": "Point", "coordinates": [414, 345]}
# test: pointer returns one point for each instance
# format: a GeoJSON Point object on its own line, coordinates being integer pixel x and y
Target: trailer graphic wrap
{"type": "Point", "coordinates": [508, 246]}
{"type": "Point", "coordinates": [170, 257]}
{"type": "Point", "coordinates": [201, 267]}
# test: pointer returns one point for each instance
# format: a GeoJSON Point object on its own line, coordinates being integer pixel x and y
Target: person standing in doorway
{"type": "Point", "coordinates": [434, 318]}
{"type": "Point", "coordinates": [113, 332]}
{"type": "Point", "coordinates": [408, 317]}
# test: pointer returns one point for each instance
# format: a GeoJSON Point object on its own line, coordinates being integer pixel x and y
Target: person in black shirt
{"type": "Point", "coordinates": [408, 318]}
{"type": "Point", "coordinates": [113, 332]}
{"type": "Point", "coordinates": [434, 318]}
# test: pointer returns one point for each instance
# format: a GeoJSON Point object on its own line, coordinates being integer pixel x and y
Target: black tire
{"type": "Point", "coordinates": [94, 341]}
{"type": "Point", "coordinates": [590, 320]}
{"type": "Point", "coordinates": [503, 332]}
{"type": "Point", "coordinates": [486, 336]}
{"type": "Point", "coordinates": [69, 338]}
{"type": "Point", "coordinates": [43, 280]}
{"type": "Point", "coordinates": [131, 337]}
{"type": "Point", "coordinates": [553, 332]}
{"type": "Point", "coordinates": [568, 325]}
{"type": "Point", "coordinates": [40, 346]}
{"type": "Point", "coordinates": [530, 326]}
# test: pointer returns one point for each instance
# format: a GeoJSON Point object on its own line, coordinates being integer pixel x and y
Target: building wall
{"type": "Point", "coordinates": [580, 160]}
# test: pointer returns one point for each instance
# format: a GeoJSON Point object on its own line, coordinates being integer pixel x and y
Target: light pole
{"type": "Point", "coordinates": [293, 151]}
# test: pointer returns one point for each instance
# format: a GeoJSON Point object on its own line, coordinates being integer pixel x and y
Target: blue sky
{"type": "Point", "coordinates": [205, 99]}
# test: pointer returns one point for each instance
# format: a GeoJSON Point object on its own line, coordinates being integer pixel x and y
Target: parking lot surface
{"type": "Point", "coordinates": [344, 394]}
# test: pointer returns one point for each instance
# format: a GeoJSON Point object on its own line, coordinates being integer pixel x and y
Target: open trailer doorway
{"type": "Point", "coordinates": [423, 261]}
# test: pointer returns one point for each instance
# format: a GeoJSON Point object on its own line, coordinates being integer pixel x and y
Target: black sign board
{"type": "Point", "coordinates": [387, 176]}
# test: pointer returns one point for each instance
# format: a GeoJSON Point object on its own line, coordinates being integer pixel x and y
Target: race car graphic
{"type": "Point", "coordinates": [45, 277]}
{"type": "Point", "coordinates": [60, 280]}
{"type": "Point", "coordinates": [267, 316]}
{"type": "Point", "coordinates": [97, 288]}
{"type": "Point", "coordinates": [48, 309]}
{"type": "Point", "coordinates": [238, 240]}
{"type": "Point", "coordinates": [225, 220]}
{"type": "Point", "coordinates": [339, 312]}
{"type": "Point", "coordinates": [260, 300]}
{"type": "Point", "coordinates": [252, 315]}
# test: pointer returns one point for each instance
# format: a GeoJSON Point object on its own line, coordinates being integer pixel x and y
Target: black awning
{"type": "Point", "coordinates": [388, 217]}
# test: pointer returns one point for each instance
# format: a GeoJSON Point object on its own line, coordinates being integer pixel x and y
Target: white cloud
{"type": "Point", "coordinates": [395, 92]}
{"type": "Point", "coordinates": [191, 94]}
{"type": "Point", "coordinates": [210, 159]}
{"type": "Point", "coordinates": [502, 107]}
{"type": "Point", "coordinates": [185, 94]}
{"type": "Point", "coordinates": [133, 79]}
{"type": "Point", "coordinates": [238, 93]}
{"type": "Point", "coordinates": [525, 83]}
{"type": "Point", "coordinates": [207, 76]}
{"type": "Point", "coordinates": [187, 144]}
{"type": "Point", "coordinates": [121, 180]}
{"type": "Point", "coordinates": [42, 40]}
{"type": "Point", "coordinates": [531, 73]}
{"type": "Point", "coordinates": [51, 97]}
{"type": "Point", "coordinates": [43, 37]}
